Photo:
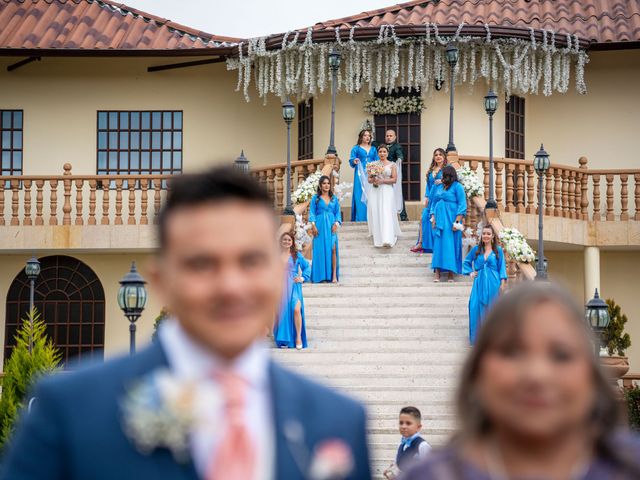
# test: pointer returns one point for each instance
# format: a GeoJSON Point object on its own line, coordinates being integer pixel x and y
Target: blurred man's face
{"type": "Point", "coordinates": [390, 136]}
{"type": "Point", "coordinates": [219, 273]}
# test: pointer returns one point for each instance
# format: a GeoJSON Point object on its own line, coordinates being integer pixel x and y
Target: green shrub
{"type": "Point", "coordinates": [156, 324]}
{"type": "Point", "coordinates": [615, 340]}
{"type": "Point", "coordinates": [23, 368]}
{"type": "Point", "coordinates": [632, 396]}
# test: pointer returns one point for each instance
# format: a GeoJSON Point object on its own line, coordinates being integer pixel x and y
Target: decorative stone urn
{"type": "Point", "coordinates": [616, 366]}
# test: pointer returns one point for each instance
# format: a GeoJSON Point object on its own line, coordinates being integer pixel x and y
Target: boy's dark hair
{"type": "Point", "coordinates": [413, 411]}
{"type": "Point", "coordinates": [212, 186]}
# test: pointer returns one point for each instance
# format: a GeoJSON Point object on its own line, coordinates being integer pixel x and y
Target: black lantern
{"type": "Point", "coordinates": [132, 298]}
{"type": "Point", "coordinates": [541, 165]}
{"type": "Point", "coordinates": [334, 63]}
{"type": "Point", "coordinates": [541, 160]}
{"type": "Point", "coordinates": [451, 53]}
{"type": "Point", "coordinates": [490, 106]}
{"type": "Point", "coordinates": [490, 103]}
{"type": "Point", "coordinates": [288, 114]}
{"type": "Point", "coordinates": [32, 270]}
{"type": "Point", "coordinates": [597, 315]}
{"type": "Point", "coordinates": [241, 163]}
{"type": "Point", "coordinates": [334, 59]}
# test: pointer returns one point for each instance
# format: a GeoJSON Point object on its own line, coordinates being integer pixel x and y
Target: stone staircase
{"type": "Point", "coordinates": [387, 335]}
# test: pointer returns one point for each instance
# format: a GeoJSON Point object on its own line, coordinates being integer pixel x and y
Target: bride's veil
{"type": "Point", "coordinates": [397, 187]}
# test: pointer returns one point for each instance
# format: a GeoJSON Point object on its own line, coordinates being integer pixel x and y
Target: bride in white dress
{"type": "Point", "coordinates": [382, 211]}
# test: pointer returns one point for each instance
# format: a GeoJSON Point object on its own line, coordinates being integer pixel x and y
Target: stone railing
{"type": "Point", "coordinates": [81, 199]}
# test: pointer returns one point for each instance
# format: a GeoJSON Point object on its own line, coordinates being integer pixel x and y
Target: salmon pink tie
{"type": "Point", "coordinates": [235, 456]}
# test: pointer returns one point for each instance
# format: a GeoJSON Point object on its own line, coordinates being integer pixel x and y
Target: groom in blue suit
{"type": "Point", "coordinates": [205, 401]}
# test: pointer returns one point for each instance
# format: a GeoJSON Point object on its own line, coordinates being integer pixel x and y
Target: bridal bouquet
{"type": "Point", "coordinates": [516, 246]}
{"type": "Point", "coordinates": [375, 169]}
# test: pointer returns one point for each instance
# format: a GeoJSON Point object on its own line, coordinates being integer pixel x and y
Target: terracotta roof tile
{"type": "Point", "coordinates": [94, 25]}
{"type": "Point", "coordinates": [599, 21]}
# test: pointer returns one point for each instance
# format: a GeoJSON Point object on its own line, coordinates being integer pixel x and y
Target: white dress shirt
{"type": "Point", "coordinates": [190, 361]}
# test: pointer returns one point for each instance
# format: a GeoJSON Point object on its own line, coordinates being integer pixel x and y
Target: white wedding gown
{"type": "Point", "coordinates": [382, 214]}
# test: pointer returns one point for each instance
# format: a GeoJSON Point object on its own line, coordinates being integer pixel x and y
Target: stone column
{"type": "Point", "coordinates": [591, 272]}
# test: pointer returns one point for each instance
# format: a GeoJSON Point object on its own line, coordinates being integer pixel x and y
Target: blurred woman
{"type": "Point", "coordinates": [434, 177]}
{"type": "Point", "coordinates": [360, 155]}
{"type": "Point", "coordinates": [324, 214]}
{"type": "Point", "coordinates": [485, 263]}
{"type": "Point", "coordinates": [533, 400]}
{"type": "Point", "coordinates": [448, 208]}
{"type": "Point", "coordinates": [290, 330]}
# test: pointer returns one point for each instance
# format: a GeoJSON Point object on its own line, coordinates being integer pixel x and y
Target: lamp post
{"type": "Point", "coordinates": [132, 298]}
{"type": "Point", "coordinates": [32, 270]}
{"type": "Point", "coordinates": [541, 165]}
{"type": "Point", "coordinates": [241, 163]}
{"type": "Point", "coordinates": [490, 106]}
{"type": "Point", "coordinates": [597, 314]}
{"type": "Point", "coordinates": [334, 64]}
{"type": "Point", "coordinates": [451, 53]}
{"type": "Point", "coordinates": [288, 114]}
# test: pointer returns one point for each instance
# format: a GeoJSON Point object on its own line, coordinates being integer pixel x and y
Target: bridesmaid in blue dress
{"type": "Point", "coordinates": [289, 330]}
{"type": "Point", "coordinates": [448, 208]}
{"type": "Point", "coordinates": [434, 177]}
{"type": "Point", "coordinates": [485, 263]}
{"type": "Point", "coordinates": [361, 154]}
{"type": "Point", "coordinates": [324, 214]}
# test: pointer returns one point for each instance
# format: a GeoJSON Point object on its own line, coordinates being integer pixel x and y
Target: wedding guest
{"type": "Point", "coordinates": [533, 399]}
{"type": "Point", "coordinates": [434, 177]}
{"type": "Point", "coordinates": [412, 446]}
{"type": "Point", "coordinates": [448, 206]}
{"type": "Point", "coordinates": [361, 154]}
{"type": "Point", "coordinates": [396, 155]}
{"type": "Point", "coordinates": [290, 330]}
{"type": "Point", "coordinates": [218, 271]}
{"type": "Point", "coordinates": [485, 263]}
{"type": "Point", "coordinates": [325, 216]}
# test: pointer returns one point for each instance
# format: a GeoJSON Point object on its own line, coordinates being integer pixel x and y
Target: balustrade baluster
{"type": "Point", "coordinates": [157, 191]}
{"type": "Point", "coordinates": [596, 197]}
{"type": "Point", "coordinates": [610, 215]}
{"type": "Point", "coordinates": [262, 178]}
{"type": "Point", "coordinates": [15, 201]}
{"type": "Point", "coordinates": [118, 220]}
{"type": "Point", "coordinates": [509, 200]}
{"type": "Point", "coordinates": [131, 184]}
{"type": "Point", "coordinates": [280, 172]}
{"type": "Point", "coordinates": [565, 193]}
{"type": "Point", "coordinates": [271, 175]}
{"type": "Point", "coordinates": [520, 188]}
{"type": "Point", "coordinates": [144, 187]}
{"type": "Point", "coordinates": [79, 186]}
{"type": "Point", "coordinates": [498, 166]}
{"type": "Point", "coordinates": [92, 202]}
{"type": "Point", "coordinates": [557, 192]}
{"type": "Point", "coordinates": [106, 186]}
{"type": "Point", "coordinates": [572, 195]}
{"type": "Point", "coordinates": [66, 206]}
{"type": "Point", "coordinates": [548, 192]}
{"type": "Point", "coordinates": [624, 197]}
{"type": "Point", "coordinates": [584, 189]}
{"type": "Point", "coordinates": [39, 202]}
{"type": "Point", "coordinates": [27, 202]}
{"type": "Point", "coordinates": [53, 203]}
{"type": "Point", "coordinates": [531, 208]}
{"type": "Point", "coordinates": [636, 177]}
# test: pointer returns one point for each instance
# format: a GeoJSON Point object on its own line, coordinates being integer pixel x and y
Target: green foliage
{"type": "Point", "coordinates": [23, 368]}
{"type": "Point", "coordinates": [615, 340]}
{"type": "Point", "coordinates": [632, 396]}
{"type": "Point", "coordinates": [159, 319]}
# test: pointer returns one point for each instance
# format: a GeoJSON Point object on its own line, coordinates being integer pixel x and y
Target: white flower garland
{"type": "Point", "coordinates": [302, 236]}
{"type": "Point", "coordinates": [472, 185]}
{"type": "Point", "coordinates": [515, 66]}
{"type": "Point", "coordinates": [516, 246]}
{"type": "Point", "coordinates": [307, 189]}
{"type": "Point", "coordinates": [394, 105]}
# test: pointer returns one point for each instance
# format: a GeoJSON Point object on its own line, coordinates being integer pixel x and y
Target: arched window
{"type": "Point", "coordinates": [70, 299]}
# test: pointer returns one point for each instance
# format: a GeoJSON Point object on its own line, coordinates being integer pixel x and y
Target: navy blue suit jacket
{"type": "Point", "coordinates": [74, 432]}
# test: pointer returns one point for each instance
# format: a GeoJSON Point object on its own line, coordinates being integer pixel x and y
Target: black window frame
{"type": "Point", "coordinates": [305, 130]}
{"type": "Point", "coordinates": [10, 155]}
{"type": "Point", "coordinates": [514, 128]}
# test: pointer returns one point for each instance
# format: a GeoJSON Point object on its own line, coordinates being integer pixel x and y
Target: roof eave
{"type": "Point", "coordinates": [79, 52]}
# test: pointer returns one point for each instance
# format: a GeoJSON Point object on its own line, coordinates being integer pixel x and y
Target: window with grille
{"type": "Point", "coordinates": [305, 130]}
{"type": "Point", "coordinates": [139, 142]}
{"type": "Point", "coordinates": [11, 138]}
{"type": "Point", "coordinates": [514, 128]}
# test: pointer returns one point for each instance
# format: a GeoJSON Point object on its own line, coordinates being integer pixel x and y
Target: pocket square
{"type": "Point", "coordinates": [332, 460]}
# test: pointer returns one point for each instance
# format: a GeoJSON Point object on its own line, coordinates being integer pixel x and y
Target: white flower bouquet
{"type": "Point", "coordinates": [516, 246]}
{"type": "Point", "coordinates": [375, 169]}
{"type": "Point", "coordinates": [342, 191]}
{"type": "Point", "coordinates": [302, 236]}
{"type": "Point", "coordinates": [472, 185]}
{"type": "Point", "coordinates": [307, 189]}
{"type": "Point", "coordinates": [393, 105]}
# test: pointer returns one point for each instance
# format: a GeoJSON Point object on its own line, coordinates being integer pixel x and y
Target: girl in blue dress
{"type": "Point", "coordinates": [448, 208]}
{"type": "Point", "coordinates": [434, 177]}
{"type": "Point", "coordinates": [360, 155]}
{"type": "Point", "coordinates": [289, 330]}
{"type": "Point", "coordinates": [486, 264]}
{"type": "Point", "coordinates": [324, 214]}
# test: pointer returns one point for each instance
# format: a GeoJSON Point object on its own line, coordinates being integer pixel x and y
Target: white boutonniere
{"type": "Point", "coordinates": [332, 460]}
{"type": "Point", "coordinates": [161, 410]}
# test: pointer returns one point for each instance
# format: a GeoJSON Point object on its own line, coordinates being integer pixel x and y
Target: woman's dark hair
{"type": "Point", "coordinates": [292, 250]}
{"type": "Point", "coordinates": [217, 185]}
{"type": "Point", "coordinates": [319, 191]}
{"type": "Point", "coordinates": [383, 145]}
{"type": "Point", "coordinates": [433, 159]}
{"type": "Point", "coordinates": [503, 323]}
{"type": "Point", "coordinates": [494, 242]}
{"type": "Point", "coordinates": [449, 175]}
{"type": "Point", "coordinates": [361, 134]}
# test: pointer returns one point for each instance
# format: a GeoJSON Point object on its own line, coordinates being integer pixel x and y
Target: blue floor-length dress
{"type": "Point", "coordinates": [486, 286]}
{"type": "Point", "coordinates": [358, 207]}
{"type": "Point", "coordinates": [446, 205]}
{"type": "Point", "coordinates": [427, 231]}
{"type": "Point", "coordinates": [284, 332]}
{"type": "Point", "coordinates": [325, 216]}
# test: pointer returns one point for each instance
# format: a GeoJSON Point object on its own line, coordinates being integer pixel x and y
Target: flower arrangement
{"type": "Point", "coordinates": [472, 185]}
{"type": "Point", "coordinates": [375, 169]}
{"type": "Point", "coordinates": [307, 189]}
{"type": "Point", "coordinates": [516, 246]}
{"type": "Point", "coordinates": [393, 105]}
{"type": "Point", "coordinates": [302, 236]}
{"type": "Point", "coordinates": [342, 191]}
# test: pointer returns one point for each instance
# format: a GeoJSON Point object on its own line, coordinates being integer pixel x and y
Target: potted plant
{"type": "Point", "coordinates": [616, 341]}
